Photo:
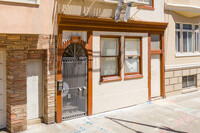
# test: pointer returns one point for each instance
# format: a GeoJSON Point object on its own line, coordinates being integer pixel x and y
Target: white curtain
{"type": "Point", "coordinates": [109, 66]}
{"type": "Point", "coordinates": [132, 65]}
{"type": "Point", "coordinates": [109, 46]}
{"type": "Point", "coordinates": [132, 47]}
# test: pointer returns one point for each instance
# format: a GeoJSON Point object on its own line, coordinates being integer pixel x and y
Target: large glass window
{"type": "Point", "coordinates": [187, 38]}
{"type": "Point", "coordinates": [109, 56]}
{"type": "Point", "coordinates": [196, 28]}
{"type": "Point", "coordinates": [132, 56]}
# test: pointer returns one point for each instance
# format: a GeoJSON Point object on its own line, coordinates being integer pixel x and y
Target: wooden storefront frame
{"type": "Point", "coordinates": [89, 24]}
{"type": "Point", "coordinates": [160, 52]}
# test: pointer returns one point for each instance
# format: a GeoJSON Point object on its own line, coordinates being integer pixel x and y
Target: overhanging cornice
{"type": "Point", "coordinates": [108, 24]}
{"type": "Point", "coordinates": [185, 10]}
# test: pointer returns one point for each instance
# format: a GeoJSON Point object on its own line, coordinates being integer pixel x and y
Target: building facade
{"type": "Point", "coordinates": [62, 59]}
{"type": "Point", "coordinates": [125, 60]}
{"type": "Point", "coordinates": [182, 46]}
{"type": "Point", "coordinates": [27, 58]}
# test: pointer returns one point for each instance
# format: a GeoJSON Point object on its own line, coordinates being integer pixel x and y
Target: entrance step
{"type": "Point", "coordinates": [72, 115]}
{"type": "Point", "coordinates": [156, 98]}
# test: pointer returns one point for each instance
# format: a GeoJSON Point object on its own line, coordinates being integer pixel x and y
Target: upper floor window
{"type": "Point", "coordinates": [187, 37]}
{"type": "Point", "coordinates": [150, 6]}
{"type": "Point", "coordinates": [23, 1]}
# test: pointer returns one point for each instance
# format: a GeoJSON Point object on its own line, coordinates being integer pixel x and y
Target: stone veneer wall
{"type": "Point", "coordinates": [20, 48]}
{"type": "Point", "coordinates": [173, 81]}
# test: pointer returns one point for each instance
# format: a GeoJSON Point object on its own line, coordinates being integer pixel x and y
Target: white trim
{"type": "Point", "coordinates": [181, 66]}
{"type": "Point", "coordinates": [185, 54]}
{"type": "Point", "coordinates": [34, 2]}
{"type": "Point", "coordinates": [178, 7]}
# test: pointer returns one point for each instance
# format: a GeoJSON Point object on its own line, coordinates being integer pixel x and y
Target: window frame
{"type": "Point", "coordinates": [147, 7]}
{"type": "Point", "coordinates": [37, 2]}
{"type": "Point", "coordinates": [196, 31]}
{"type": "Point", "coordinates": [195, 81]}
{"type": "Point", "coordinates": [107, 78]}
{"type": "Point", "coordinates": [134, 74]}
{"type": "Point", "coordinates": [194, 51]}
{"type": "Point", "coordinates": [178, 30]}
{"type": "Point", "coordinates": [187, 31]}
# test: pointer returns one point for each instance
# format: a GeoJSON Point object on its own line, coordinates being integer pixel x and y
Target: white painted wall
{"type": "Point", "coordinates": [107, 10]}
{"type": "Point", "coordinates": [2, 89]}
{"type": "Point", "coordinates": [118, 94]}
{"type": "Point", "coordinates": [156, 15]}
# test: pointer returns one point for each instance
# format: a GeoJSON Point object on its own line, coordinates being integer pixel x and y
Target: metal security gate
{"type": "Point", "coordinates": [74, 94]}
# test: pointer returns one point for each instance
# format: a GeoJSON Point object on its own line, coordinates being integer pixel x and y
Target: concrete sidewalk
{"type": "Point", "coordinates": [179, 114]}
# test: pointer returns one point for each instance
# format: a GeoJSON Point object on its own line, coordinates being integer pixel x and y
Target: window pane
{"type": "Point", "coordinates": [109, 66]}
{"type": "Point", "coordinates": [178, 26]}
{"type": "Point", "coordinates": [150, 3]}
{"type": "Point", "coordinates": [196, 41]}
{"type": "Point", "coordinates": [184, 82]}
{"type": "Point", "coordinates": [155, 42]}
{"type": "Point", "coordinates": [177, 41]}
{"type": "Point", "coordinates": [132, 64]}
{"type": "Point", "coordinates": [184, 41]}
{"type": "Point", "coordinates": [109, 46]}
{"type": "Point", "coordinates": [187, 26]}
{"type": "Point", "coordinates": [190, 46]}
{"type": "Point", "coordinates": [196, 27]}
{"type": "Point", "coordinates": [132, 46]}
{"type": "Point", "coordinates": [191, 81]}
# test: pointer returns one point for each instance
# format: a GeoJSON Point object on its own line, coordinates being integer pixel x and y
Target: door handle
{"type": "Point", "coordinates": [84, 88]}
{"type": "Point", "coordinates": [79, 89]}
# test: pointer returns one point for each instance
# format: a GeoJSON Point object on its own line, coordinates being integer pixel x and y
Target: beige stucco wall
{"type": "Point", "coordinates": [118, 94]}
{"type": "Point", "coordinates": [171, 57]}
{"type": "Point", "coordinates": [107, 10]}
{"type": "Point", "coordinates": [27, 19]}
{"type": "Point", "coordinates": [184, 2]}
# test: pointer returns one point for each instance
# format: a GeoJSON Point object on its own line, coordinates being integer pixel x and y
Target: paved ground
{"type": "Point", "coordinates": [180, 114]}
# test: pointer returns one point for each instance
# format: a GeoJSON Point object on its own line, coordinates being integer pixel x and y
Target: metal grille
{"type": "Point", "coordinates": [74, 87]}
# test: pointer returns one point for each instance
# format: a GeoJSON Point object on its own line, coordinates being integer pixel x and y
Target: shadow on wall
{"type": "Point", "coordinates": [86, 8]}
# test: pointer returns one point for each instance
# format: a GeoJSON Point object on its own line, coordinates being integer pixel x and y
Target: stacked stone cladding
{"type": "Point", "coordinates": [173, 80]}
{"type": "Point", "coordinates": [20, 48]}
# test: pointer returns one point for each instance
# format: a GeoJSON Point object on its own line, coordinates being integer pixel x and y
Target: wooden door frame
{"type": "Point", "coordinates": [160, 52]}
{"type": "Point", "coordinates": [60, 50]}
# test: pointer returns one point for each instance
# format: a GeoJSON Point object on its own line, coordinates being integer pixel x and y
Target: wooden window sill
{"type": "Point", "coordinates": [109, 79]}
{"type": "Point", "coordinates": [146, 7]}
{"type": "Point", "coordinates": [136, 76]}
